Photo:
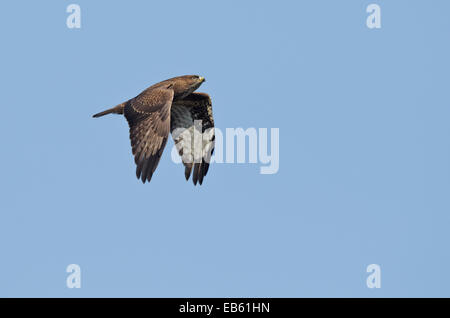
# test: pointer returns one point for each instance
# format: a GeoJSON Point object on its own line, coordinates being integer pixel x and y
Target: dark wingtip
{"type": "Point", "coordinates": [195, 173]}
{"type": "Point", "coordinates": [187, 171]}
{"type": "Point", "coordinates": [98, 115]}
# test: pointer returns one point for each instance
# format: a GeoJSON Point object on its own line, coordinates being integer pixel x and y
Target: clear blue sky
{"type": "Point", "coordinates": [364, 150]}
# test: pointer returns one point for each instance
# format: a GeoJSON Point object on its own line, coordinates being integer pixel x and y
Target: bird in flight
{"type": "Point", "coordinates": [170, 106]}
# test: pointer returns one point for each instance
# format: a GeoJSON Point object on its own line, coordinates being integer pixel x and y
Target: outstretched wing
{"type": "Point", "coordinates": [148, 116]}
{"type": "Point", "coordinates": [192, 128]}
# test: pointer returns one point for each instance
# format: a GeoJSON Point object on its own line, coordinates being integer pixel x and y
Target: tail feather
{"type": "Point", "coordinates": [115, 110]}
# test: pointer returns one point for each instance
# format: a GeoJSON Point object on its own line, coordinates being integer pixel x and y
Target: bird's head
{"type": "Point", "coordinates": [185, 85]}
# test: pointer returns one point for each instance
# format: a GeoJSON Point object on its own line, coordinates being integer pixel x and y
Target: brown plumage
{"type": "Point", "coordinates": [170, 106]}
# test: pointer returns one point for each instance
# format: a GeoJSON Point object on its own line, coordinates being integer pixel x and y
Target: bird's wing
{"type": "Point", "coordinates": [148, 116]}
{"type": "Point", "coordinates": [192, 128]}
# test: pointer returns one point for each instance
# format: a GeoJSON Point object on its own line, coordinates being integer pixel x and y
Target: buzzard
{"type": "Point", "coordinates": [170, 106]}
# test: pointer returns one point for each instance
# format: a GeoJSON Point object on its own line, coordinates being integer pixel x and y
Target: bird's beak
{"type": "Point", "coordinates": [201, 79]}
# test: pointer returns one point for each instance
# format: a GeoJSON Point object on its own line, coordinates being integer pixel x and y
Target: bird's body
{"type": "Point", "coordinates": [170, 106]}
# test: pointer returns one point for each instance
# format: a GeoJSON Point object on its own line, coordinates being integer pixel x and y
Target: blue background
{"type": "Point", "coordinates": [364, 150]}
